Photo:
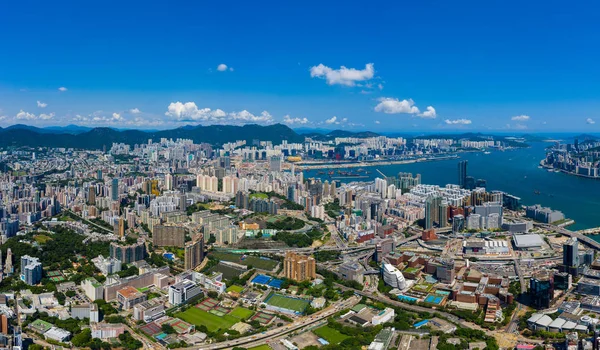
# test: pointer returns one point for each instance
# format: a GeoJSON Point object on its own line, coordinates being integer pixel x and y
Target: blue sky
{"type": "Point", "coordinates": [410, 66]}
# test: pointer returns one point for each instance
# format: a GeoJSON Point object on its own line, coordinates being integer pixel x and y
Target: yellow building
{"type": "Point", "coordinates": [299, 267]}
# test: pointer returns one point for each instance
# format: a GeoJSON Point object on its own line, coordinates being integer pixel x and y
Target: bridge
{"type": "Point", "coordinates": [590, 231]}
{"type": "Point", "coordinates": [580, 237]}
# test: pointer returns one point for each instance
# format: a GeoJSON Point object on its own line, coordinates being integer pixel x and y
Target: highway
{"type": "Point", "coordinates": [584, 239]}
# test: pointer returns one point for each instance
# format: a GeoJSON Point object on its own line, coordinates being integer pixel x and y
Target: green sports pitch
{"type": "Point", "coordinates": [212, 322]}
{"type": "Point", "coordinates": [281, 301]}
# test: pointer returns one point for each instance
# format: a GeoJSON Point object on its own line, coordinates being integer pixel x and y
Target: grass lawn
{"type": "Point", "coordinates": [212, 322]}
{"type": "Point", "coordinates": [235, 289]}
{"type": "Point", "coordinates": [264, 264]}
{"type": "Point", "coordinates": [259, 195]}
{"type": "Point", "coordinates": [261, 347]}
{"type": "Point", "coordinates": [241, 313]}
{"type": "Point", "coordinates": [287, 303]}
{"type": "Point", "coordinates": [42, 239]}
{"type": "Point", "coordinates": [330, 334]}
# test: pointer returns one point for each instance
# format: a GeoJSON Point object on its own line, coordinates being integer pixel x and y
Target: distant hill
{"type": "Point", "coordinates": [98, 137]}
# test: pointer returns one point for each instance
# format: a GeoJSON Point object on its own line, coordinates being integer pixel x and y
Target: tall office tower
{"type": "Point", "coordinates": [99, 175]}
{"type": "Point", "coordinates": [114, 189]}
{"type": "Point", "coordinates": [8, 266]}
{"type": "Point", "coordinates": [458, 223]}
{"type": "Point", "coordinates": [120, 227]}
{"type": "Point", "coordinates": [194, 252]}
{"type": "Point", "coordinates": [462, 173]}
{"type": "Point", "coordinates": [443, 215]}
{"type": "Point", "coordinates": [169, 182]}
{"type": "Point", "coordinates": [432, 211]}
{"type": "Point", "coordinates": [225, 163]}
{"type": "Point", "coordinates": [291, 193]}
{"type": "Point", "coordinates": [571, 256]}
{"type": "Point", "coordinates": [299, 267]}
{"type": "Point", "coordinates": [91, 195]}
{"type": "Point", "coordinates": [541, 290]}
{"type": "Point", "coordinates": [275, 163]}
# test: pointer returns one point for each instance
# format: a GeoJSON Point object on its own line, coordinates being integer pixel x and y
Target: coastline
{"type": "Point", "coordinates": [370, 164]}
{"type": "Point", "coordinates": [546, 166]}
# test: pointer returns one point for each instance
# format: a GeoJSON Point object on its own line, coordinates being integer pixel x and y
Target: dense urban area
{"type": "Point", "coordinates": [174, 243]}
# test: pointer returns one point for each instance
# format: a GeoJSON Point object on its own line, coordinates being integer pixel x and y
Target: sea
{"type": "Point", "coordinates": [514, 171]}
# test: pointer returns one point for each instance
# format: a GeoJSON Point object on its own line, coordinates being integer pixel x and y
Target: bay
{"type": "Point", "coordinates": [513, 171]}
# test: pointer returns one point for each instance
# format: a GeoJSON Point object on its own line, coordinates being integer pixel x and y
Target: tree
{"type": "Point", "coordinates": [167, 328]}
{"type": "Point", "coordinates": [82, 339]}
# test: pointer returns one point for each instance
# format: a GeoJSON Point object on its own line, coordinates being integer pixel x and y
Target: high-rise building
{"type": "Point", "coordinates": [114, 189]}
{"type": "Point", "coordinates": [275, 163]}
{"type": "Point", "coordinates": [458, 223]}
{"type": "Point", "coordinates": [8, 266]}
{"type": "Point", "coordinates": [31, 270]}
{"type": "Point", "coordinates": [571, 256]}
{"type": "Point", "coordinates": [432, 211]}
{"type": "Point", "coordinates": [462, 173]}
{"type": "Point", "coordinates": [169, 182]}
{"type": "Point", "coordinates": [299, 267]}
{"type": "Point", "coordinates": [194, 253]}
{"type": "Point", "coordinates": [91, 195]}
{"type": "Point", "coordinates": [128, 253]}
{"type": "Point", "coordinates": [392, 276]}
{"type": "Point", "coordinates": [99, 175]}
{"type": "Point", "coordinates": [541, 291]}
{"type": "Point", "coordinates": [168, 236]}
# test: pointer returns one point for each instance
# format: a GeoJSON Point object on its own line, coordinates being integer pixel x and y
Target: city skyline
{"type": "Point", "coordinates": [441, 68]}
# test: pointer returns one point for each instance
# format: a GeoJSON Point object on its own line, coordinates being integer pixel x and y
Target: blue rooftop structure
{"type": "Point", "coordinates": [275, 283]}
{"type": "Point", "coordinates": [261, 279]}
{"type": "Point", "coordinates": [420, 323]}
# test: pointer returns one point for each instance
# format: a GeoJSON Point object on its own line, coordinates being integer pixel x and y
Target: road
{"type": "Point", "coordinates": [584, 239]}
{"type": "Point", "coordinates": [278, 332]}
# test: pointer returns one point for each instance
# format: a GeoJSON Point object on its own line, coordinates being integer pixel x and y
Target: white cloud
{"type": "Point", "coordinates": [343, 76]}
{"type": "Point", "coordinates": [231, 69]}
{"type": "Point", "coordinates": [377, 122]}
{"type": "Point", "coordinates": [332, 120]}
{"type": "Point", "coordinates": [222, 67]}
{"type": "Point", "coordinates": [457, 122]}
{"type": "Point", "coordinates": [520, 127]}
{"type": "Point", "coordinates": [135, 111]}
{"type": "Point", "coordinates": [520, 118]}
{"type": "Point", "coordinates": [116, 116]}
{"type": "Point", "coordinates": [590, 121]}
{"type": "Point", "coordinates": [22, 115]}
{"type": "Point", "coordinates": [394, 106]}
{"type": "Point", "coordinates": [289, 120]}
{"type": "Point", "coordinates": [190, 111]}
{"type": "Point", "coordinates": [62, 89]}
{"type": "Point", "coordinates": [41, 104]}
{"type": "Point", "coordinates": [429, 113]}
{"type": "Point", "coordinates": [380, 86]}
{"type": "Point", "coordinates": [44, 116]}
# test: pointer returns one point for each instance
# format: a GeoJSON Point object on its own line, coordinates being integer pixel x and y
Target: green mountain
{"type": "Point", "coordinates": [98, 137]}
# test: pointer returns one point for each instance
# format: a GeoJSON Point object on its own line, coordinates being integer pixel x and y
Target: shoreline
{"type": "Point", "coordinates": [370, 164]}
{"type": "Point", "coordinates": [545, 166]}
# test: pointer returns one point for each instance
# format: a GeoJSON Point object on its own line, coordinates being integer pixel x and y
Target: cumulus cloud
{"type": "Point", "coordinates": [429, 113]}
{"type": "Point", "coordinates": [135, 111]}
{"type": "Point", "coordinates": [22, 115]}
{"type": "Point", "coordinates": [377, 122]}
{"type": "Point", "coordinates": [41, 104]}
{"type": "Point", "coordinates": [343, 76]}
{"type": "Point", "coordinates": [62, 89]}
{"type": "Point", "coordinates": [332, 120]}
{"type": "Point", "coordinates": [590, 121]}
{"type": "Point", "coordinates": [394, 106]}
{"type": "Point", "coordinates": [289, 120]}
{"type": "Point", "coordinates": [116, 116]}
{"type": "Point", "coordinates": [223, 67]}
{"type": "Point", "coordinates": [457, 121]}
{"type": "Point", "coordinates": [190, 111]}
{"type": "Point", "coordinates": [521, 118]}
{"type": "Point", "coordinates": [44, 116]}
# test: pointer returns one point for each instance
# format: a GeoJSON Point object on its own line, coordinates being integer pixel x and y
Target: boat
{"type": "Point", "coordinates": [487, 152]}
{"type": "Point", "coordinates": [536, 192]}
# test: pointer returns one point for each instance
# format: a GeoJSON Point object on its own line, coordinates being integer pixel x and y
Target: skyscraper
{"type": "Point", "coordinates": [462, 173]}
{"type": "Point", "coordinates": [275, 163]}
{"type": "Point", "coordinates": [8, 266]}
{"type": "Point", "coordinates": [194, 252]}
{"type": "Point", "coordinates": [91, 195]}
{"type": "Point", "coordinates": [299, 267]}
{"type": "Point", "coordinates": [114, 189]}
{"type": "Point", "coordinates": [432, 211]}
{"type": "Point", "coordinates": [571, 256]}
{"type": "Point", "coordinates": [169, 182]}
{"type": "Point", "coordinates": [31, 270]}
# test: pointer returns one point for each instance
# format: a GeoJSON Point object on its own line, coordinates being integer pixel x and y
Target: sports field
{"type": "Point", "coordinates": [235, 289]}
{"type": "Point", "coordinates": [241, 313]}
{"type": "Point", "coordinates": [261, 347]}
{"type": "Point", "coordinates": [333, 336]}
{"type": "Point", "coordinates": [259, 263]}
{"type": "Point", "coordinates": [278, 300]}
{"type": "Point", "coordinates": [212, 322]}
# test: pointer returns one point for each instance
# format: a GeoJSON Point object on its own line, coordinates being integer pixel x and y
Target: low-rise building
{"type": "Point", "coordinates": [107, 330]}
{"type": "Point", "coordinates": [130, 296]}
{"type": "Point", "coordinates": [149, 310]}
{"type": "Point", "coordinates": [183, 291]}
